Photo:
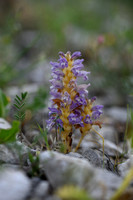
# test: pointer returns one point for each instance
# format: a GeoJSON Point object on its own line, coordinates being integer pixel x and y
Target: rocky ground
{"type": "Point", "coordinates": [37, 174]}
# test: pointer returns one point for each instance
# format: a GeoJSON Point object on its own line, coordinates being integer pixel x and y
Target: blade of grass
{"type": "Point", "coordinates": [44, 134]}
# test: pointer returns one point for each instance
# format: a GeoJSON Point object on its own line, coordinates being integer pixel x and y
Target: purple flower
{"type": "Point", "coordinates": [78, 62]}
{"type": "Point", "coordinates": [56, 84]}
{"type": "Point", "coordinates": [75, 119]}
{"type": "Point", "coordinates": [61, 54]}
{"type": "Point", "coordinates": [73, 105]}
{"type": "Point", "coordinates": [59, 123]}
{"type": "Point", "coordinates": [54, 111]}
{"type": "Point", "coordinates": [63, 63]}
{"type": "Point", "coordinates": [93, 99]}
{"type": "Point", "coordinates": [55, 94]}
{"type": "Point", "coordinates": [82, 90]}
{"type": "Point", "coordinates": [96, 114]}
{"type": "Point", "coordinates": [59, 73]}
{"type": "Point", "coordinates": [76, 54]}
{"type": "Point", "coordinates": [97, 111]}
{"type": "Point", "coordinates": [83, 74]}
{"type": "Point", "coordinates": [80, 100]}
{"type": "Point", "coordinates": [50, 123]}
{"type": "Point", "coordinates": [87, 119]}
{"type": "Point", "coordinates": [77, 112]}
{"type": "Point", "coordinates": [97, 107]}
{"type": "Point", "coordinates": [54, 121]}
{"type": "Point", "coordinates": [55, 66]}
{"type": "Point", "coordinates": [66, 98]}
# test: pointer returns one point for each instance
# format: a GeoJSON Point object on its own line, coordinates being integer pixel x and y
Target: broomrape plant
{"type": "Point", "coordinates": [70, 106]}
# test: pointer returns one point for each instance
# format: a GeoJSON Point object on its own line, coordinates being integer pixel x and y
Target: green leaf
{"type": "Point", "coordinates": [23, 95]}
{"type": "Point", "coordinates": [9, 135]}
{"type": "Point", "coordinates": [18, 102]}
{"type": "Point", "coordinates": [3, 103]}
{"type": "Point", "coordinates": [44, 135]}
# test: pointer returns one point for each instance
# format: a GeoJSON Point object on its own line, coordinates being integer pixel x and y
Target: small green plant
{"type": "Point", "coordinates": [34, 162]}
{"type": "Point", "coordinates": [128, 137]}
{"type": "Point", "coordinates": [43, 134]}
{"type": "Point", "coordinates": [3, 104]}
{"type": "Point", "coordinates": [19, 105]}
{"type": "Point", "coordinates": [9, 135]}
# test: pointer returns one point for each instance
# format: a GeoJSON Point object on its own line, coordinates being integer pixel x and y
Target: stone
{"type": "Point", "coordinates": [109, 133]}
{"type": "Point", "coordinates": [4, 124]}
{"type": "Point", "coordinates": [95, 157]}
{"type": "Point", "coordinates": [42, 189]}
{"type": "Point", "coordinates": [63, 170]}
{"type": "Point", "coordinates": [13, 153]}
{"type": "Point", "coordinates": [125, 166]}
{"type": "Point", "coordinates": [117, 113]}
{"type": "Point", "coordinates": [14, 185]}
{"type": "Point", "coordinates": [76, 155]}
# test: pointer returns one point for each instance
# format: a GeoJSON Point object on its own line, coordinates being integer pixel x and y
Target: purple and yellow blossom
{"type": "Point", "coordinates": [70, 104]}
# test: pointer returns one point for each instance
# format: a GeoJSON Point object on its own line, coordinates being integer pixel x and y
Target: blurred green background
{"type": "Point", "coordinates": [33, 32]}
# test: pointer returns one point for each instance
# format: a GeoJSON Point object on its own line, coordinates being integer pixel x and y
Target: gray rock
{"type": "Point", "coordinates": [42, 73]}
{"type": "Point", "coordinates": [93, 157]}
{"type": "Point", "coordinates": [118, 114]}
{"type": "Point", "coordinates": [61, 170]}
{"type": "Point", "coordinates": [53, 197]}
{"type": "Point", "coordinates": [96, 158]}
{"type": "Point", "coordinates": [4, 124]}
{"type": "Point", "coordinates": [42, 189]}
{"type": "Point", "coordinates": [125, 166]}
{"type": "Point", "coordinates": [104, 184]}
{"type": "Point", "coordinates": [13, 153]}
{"type": "Point", "coordinates": [14, 185]}
{"type": "Point", "coordinates": [76, 155]}
{"type": "Point", "coordinates": [109, 133]}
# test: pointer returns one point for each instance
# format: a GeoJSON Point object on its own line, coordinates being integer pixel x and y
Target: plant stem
{"type": "Point", "coordinates": [78, 145]}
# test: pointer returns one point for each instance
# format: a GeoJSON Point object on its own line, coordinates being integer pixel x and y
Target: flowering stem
{"type": "Point", "coordinates": [78, 145]}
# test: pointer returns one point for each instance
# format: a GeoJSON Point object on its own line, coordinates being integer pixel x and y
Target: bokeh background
{"type": "Point", "coordinates": [33, 32]}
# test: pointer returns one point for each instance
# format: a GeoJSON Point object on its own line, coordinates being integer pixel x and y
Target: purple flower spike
{"type": "Point", "coordinates": [71, 107]}
{"type": "Point", "coordinates": [76, 54]}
